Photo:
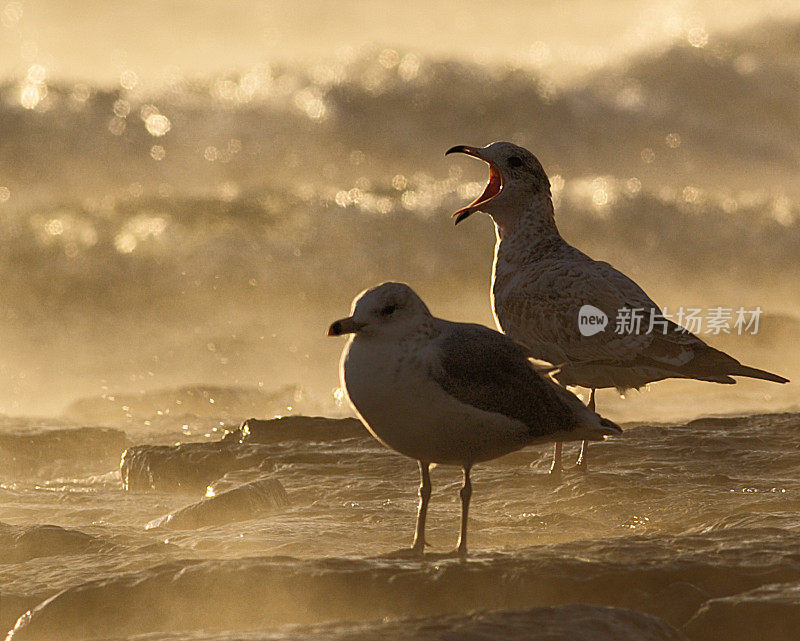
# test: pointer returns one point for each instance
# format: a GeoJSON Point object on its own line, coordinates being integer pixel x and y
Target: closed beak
{"type": "Point", "coordinates": [344, 326]}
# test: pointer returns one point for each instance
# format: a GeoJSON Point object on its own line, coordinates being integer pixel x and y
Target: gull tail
{"type": "Point", "coordinates": [610, 426]}
{"type": "Point", "coordinates": [584, 424]}
{"type": "Point", "coordinates": [753, 372]}
{"type": "Point", "coordinates": [596, 428]}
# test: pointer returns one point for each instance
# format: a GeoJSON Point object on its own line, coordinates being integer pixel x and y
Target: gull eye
{"type": "Point", "coordinates": [515, 161]}
{"type": "Point", "coordinates": [388, 310]}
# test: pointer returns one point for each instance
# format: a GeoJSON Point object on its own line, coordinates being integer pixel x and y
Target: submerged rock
{"type": "Point", "coordinates": [677, 602]}
{"type": "Point", "coordinates": [20, 543]}
{"type": "Point", "coordinates": [248, 501]}
{"type": "Point", "coordinates": [306, 428]}
{"type": "Point", "coordinates": [192, 466]}
{"type": "Point", "coordinates": [234, 479]}
{"type": "Point", "coordinates": [767, 613]}
{"type": "Point", "coordinates": [50, 452]}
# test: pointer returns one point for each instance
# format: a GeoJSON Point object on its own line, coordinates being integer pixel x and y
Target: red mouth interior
{"type": "Point", "coordinates": [494, 187]}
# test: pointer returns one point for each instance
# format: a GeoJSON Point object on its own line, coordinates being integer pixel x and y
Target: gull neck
{"type": "Point", "coordinates": [536, 220]}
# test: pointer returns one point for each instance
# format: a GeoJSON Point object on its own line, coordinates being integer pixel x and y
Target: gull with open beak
{"type": "Point", "coordinates": [541, 284]}
{"type": "Point", "coordinates": [493, 187]}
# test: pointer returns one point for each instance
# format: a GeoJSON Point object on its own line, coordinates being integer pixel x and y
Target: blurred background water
{"type": "Point", "coordinates": [181, 205]}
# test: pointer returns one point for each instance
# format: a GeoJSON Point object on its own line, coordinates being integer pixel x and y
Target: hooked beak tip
{"type": "Point", "coordinates": [461, 149]}
{"type": "Point", "coordinates": [461, 215]}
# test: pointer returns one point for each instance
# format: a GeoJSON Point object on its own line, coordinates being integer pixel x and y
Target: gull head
{"type": "Point", "coordinates": [515, 177]}
{"type": "Point", "coordinates": [389, 310]}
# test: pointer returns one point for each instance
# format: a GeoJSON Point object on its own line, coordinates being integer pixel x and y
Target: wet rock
{"type": "Point", "coordinates": [14, 606]}
{"type": "Point", "coordinates": [187, 467]}
{"type": "Point", "coordinates": [192, 466]}
{"type": "Point", "coordinates": [248, 501]}
{"type": "Point", "coordinates": [248, 594]}
{"type": "Point", "coordinates": [306, 428]}
{"type": "Point", "coordinates": [257, 593]}
{"type": "Point", "coordinates": [49, 452]}
{"type": "Point", "coordinates": [767, 613]}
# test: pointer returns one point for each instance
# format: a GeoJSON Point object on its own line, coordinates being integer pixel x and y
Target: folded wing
{"type": "Point", "coordinates": [487, 370]}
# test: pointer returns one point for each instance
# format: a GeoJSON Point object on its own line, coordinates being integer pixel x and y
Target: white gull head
{"type": "Point", "coordinates": [517, 181]}
{"type": "Point", "coordinates": [388, 311]}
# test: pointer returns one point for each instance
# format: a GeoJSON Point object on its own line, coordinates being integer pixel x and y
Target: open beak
{"type": "Point", "coordinates": [344, 326]}
{"type": "Point", "coordinates": [494, 186]}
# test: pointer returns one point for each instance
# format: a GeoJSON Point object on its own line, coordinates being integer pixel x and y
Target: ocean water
{"type": "Point", "coordinates": [173, 252]}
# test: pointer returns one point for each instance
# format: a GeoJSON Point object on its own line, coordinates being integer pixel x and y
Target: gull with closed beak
{"type": "Point", "coordinates": [449, 393]}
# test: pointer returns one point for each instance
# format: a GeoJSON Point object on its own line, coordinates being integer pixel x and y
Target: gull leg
{"type": "Point", "coordinates": [555, 468]}
{"type": "Point", "coordinates": [466, 494]}
{"type": "Point", "coordinates": [422, 512]}
{"type": "Point", "coordinates": [582, 463]}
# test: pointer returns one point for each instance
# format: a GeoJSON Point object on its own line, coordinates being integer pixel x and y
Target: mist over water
{"type": "Point", "coordinates": [189, 195]}
{"type": "Point", "coordinates": [205, 231]}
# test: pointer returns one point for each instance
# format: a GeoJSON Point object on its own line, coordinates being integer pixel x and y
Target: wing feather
{"type": "Point", "coordinates": [487, 370]}
{"type": "Point", "coordinates": [539, 306]}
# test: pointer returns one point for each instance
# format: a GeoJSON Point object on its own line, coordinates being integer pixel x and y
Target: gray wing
{"type": "Point", "coordinates": [487, 370]}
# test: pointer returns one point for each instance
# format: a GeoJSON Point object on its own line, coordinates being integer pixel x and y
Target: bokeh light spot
{"type": "Point", "coordinates": [125, 243]}
{"type": "Point", "coordinates": [117, 126]}
{"type": "Point", "coordinates": [30, 96]}
{"type": "Point", "coordinates": [697, 37]}
{"type": "Point", "coordinates": [128, 79]}
{"type": "Point", "coordinates": [157, 124]}
{"type": "Point", "coordinates": [12, 14]}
